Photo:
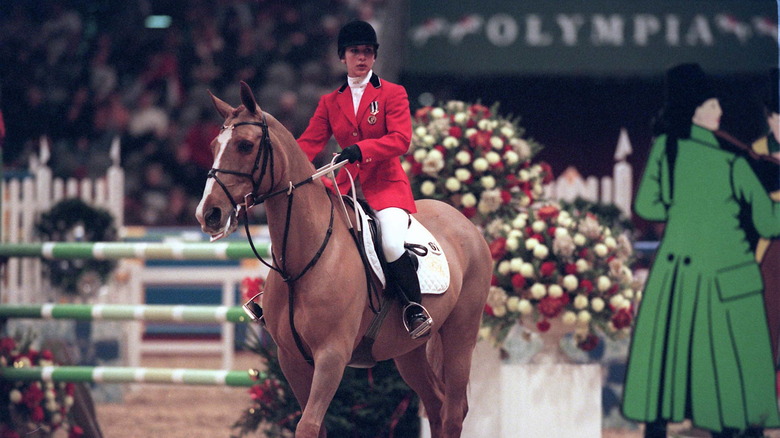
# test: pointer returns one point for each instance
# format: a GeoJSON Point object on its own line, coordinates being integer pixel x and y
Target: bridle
{"type": "Point", "coordinates": [265, 151]}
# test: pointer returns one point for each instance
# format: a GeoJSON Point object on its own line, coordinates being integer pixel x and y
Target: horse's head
{"type": "Point", "coordinates": [243, 165]}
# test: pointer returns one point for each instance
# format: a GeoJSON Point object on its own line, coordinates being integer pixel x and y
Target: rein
{"type": "Point", "coordinates": [251, 199]}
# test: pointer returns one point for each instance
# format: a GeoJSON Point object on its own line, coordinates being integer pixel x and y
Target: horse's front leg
{"type": "Point", "coordinates": [329, 367]}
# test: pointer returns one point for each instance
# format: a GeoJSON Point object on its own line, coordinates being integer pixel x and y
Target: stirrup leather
{"type": "Point", "coordinates": [424, 328]}
{"type": "Point", "coordinates": [253, 310]}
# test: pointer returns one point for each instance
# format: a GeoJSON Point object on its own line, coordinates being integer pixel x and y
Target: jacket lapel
{"type": "Point", "coordinates": [372, 91]}
{"type": "Point", "coordinates": [344, 100]}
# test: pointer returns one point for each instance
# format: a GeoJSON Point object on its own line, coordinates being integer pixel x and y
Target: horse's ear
{"type": "Point", "coordinates": [222, 108]}
{"type": "Point", "coordinates": [248, 99]}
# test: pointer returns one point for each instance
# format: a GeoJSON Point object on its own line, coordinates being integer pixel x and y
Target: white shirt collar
{"type": "Point", "coordinates": [359, 82]}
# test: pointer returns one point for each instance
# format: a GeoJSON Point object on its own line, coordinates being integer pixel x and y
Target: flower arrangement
{"type": "Point", "coordinates": [33, 408]}
{"type": "Point", "coordinates": [553, 261]}
{"type": "Point", "coordinates": [473, 158]}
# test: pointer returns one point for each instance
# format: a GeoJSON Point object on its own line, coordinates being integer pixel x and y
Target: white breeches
{"type": "Point", "coordinates": [394, 223]}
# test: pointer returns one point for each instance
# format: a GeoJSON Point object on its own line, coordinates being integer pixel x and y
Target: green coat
{"type": "Point", "coordinates": [700, 348]}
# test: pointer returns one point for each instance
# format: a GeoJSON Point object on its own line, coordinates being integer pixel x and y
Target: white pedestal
{"type": "Point", "coordinates": [551, 400]}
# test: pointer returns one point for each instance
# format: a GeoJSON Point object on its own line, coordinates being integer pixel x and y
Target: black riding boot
{"type": "Point", "coordinates": [403, 273]}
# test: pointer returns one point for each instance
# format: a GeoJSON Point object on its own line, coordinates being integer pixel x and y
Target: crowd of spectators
{"type": "Point", "coordinates": [83, 73]}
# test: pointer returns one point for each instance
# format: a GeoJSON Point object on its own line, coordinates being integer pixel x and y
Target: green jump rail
{"type": "Point", "coordinates": [136, 250]}
{"type": "Point", "coordinates": [126, 312]}
{"type": "Point", "coordinates": [176, 376]}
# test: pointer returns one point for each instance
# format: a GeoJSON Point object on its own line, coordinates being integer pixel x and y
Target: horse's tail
{"type": "Point", "coordinates": [434, 351]}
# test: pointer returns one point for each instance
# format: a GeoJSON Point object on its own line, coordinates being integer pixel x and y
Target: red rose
{"type": "Point", "coordinates": [506, 197]}
{"type": "Point", "coordinates": [469, 212]}
{"type": "Point", "coordinates": [76, 432]}
{"type": "Point", "coordinates": [498, 248]}
{"type": "Point", "coordinates": [543, 325]}
{"type": "Point", "coordinates": [422, 113]}
{"type": "Point", "coordinates": [570, 268]}
{"type": "Point", "coordinates": [480, 110]}
{"type": "Point", "coordinates": [7, 345]}
{"type": "Point", "coordinates": [589, 343]}
{"type": "Point", "coordinates": [547, 212]}
{"type": "Point", "coordinates": [621, 319]}
{"type": "Point", "coordinates": [417, 168]}
{"type": "Point", "coordinates": [550, 307]}
{"type": "Point", "coordinates": [480, 139]}
{"type": "Point", "coordinates": [551, 231]}
{"type": "Point", "coordinates": [32, 396]}
{"type": "Point", "coordinates": [511, 180]}
{"type": "Point", "coordinates": [529, 194]}
{"type": "Point", "coordinates": [547, 172]}
{"type": "Point", "coordinates": [13, 434]}
{"type": "Point", "coordinates": [586, 286]}
{"type": "Point", "coordinates": [36, 414]}
{"type": "Point", "coordinates": [250, 287]}
{"type": "Point", "coordinates": [518, 282]}
{"type": "Point", "coordinates": [494, 281]}
{"type": "Point", "coordinates": [441, 149]}
{"type": "Point", "coordinates": [456, 131]}
{"type": "Point", "coordinates": [489, 310]}
{"type": "Point", "coordinates": [47, 355]}
{"type": "Point", "coordinates": [547, 269]}
{"type": "Point", "coordinates": [584, 253]}
{"type": "Point", "coordinates": [70, 388]}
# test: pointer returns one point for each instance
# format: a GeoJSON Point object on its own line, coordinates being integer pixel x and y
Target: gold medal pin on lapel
{"type": "Point", "coordinates": [373, 109]}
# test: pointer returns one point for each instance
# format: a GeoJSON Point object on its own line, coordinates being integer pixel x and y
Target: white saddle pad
{"type": "Point", "coordinates": [433, 271]}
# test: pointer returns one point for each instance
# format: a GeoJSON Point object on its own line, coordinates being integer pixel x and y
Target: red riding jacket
{"type": "Point", "coordinates": [381, 143]}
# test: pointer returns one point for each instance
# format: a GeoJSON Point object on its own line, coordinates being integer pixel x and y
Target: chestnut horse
{"type": "Point", "coordinates": [318, 274]}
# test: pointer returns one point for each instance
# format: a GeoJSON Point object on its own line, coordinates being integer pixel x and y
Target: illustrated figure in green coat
{"type": "Point", "coordinates": [700, 349]}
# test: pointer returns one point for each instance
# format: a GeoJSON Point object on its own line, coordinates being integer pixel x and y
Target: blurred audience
{"type": "Point", "coordinates": [83, 73]}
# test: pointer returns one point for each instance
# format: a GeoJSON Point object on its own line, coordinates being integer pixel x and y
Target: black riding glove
{"type": "Point", "coordinates": [351, 153]}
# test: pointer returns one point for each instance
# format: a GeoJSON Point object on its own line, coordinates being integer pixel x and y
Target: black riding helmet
{"type": "Point", "coordinates": [356, 33]}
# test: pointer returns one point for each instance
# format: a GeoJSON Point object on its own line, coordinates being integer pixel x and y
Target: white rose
{"type": "Point", "coordinates": [517, 264]}
{"type": "Point", "coordinates": [435, 154]}
{"type": "Point", "coordinates": [515, 234]}
{"type": "Point", "coordinates": [570, 282]}
{"type": "Point", "coordinates": [462, 174]}
{"type": "Point", "coordinates": [488, 181]}
{"type": "Point", "coordinates": [406, 166]}
{"type": "Point", "coordinates": [538, 291]}
{"type": "Point", "coordinates": [610, 242]}
{"type": "Point", "coordinates": [527, 270]}
{"type": "Point", "coordinates": [561, 232]}
{"type": "Point", "coordinates": [463, 158]}
{"type": "Point", "coordinates": [493, 157]}
{"type": "Point", "coordinates": [512, 243]}
{"type": "Point", "coordinates": [460, 118]}
{"type": "Point", "coordinates": [583, 317]}
{"type": "Point", "coordinates": [429, 140]}
{"type": "Point", "coordinates": [468, 200]}
{"type": "Point", "coordinates": [484, 333]}
{"type": "Point", "coordinates": [541, 252]}
{"type": "Point", "coordinates": [579, 239]}
{"type": "Point", "coordinates": [597, 304]}
{"type": "Point", "coordinates": [617, 301]}
{"type": "Point", "coordinates": [600, 249]}
{"type": "Point", "coordinates": [427, 188]}
{"type": "Point", "coordinates": [449, 142]}
{"type": "Point", "coordinates": [452, 184]}
{"type": "Point", "coordinates": [511, 157]}
{"type": "Point", "coordinates": [496, 142]}
{"type": "Point", "coordinates": [437, 113]}
{"type": "Point", "coordinates": [513, 304]}
{"type": "Point", "coordinates": [628, 293]}
{"type": "Point", "coordinates": [525, 307]}
{"type": "Point", "coordinates": [523, 175]}
{"type": "Point", "coordinates": [604, 283]}
{"type": "Point", "coordinates": [580, 302]}
{"type": "Point", "coordinates": [420, 131]}
{"type": "Point", "coordinates": [582, 265]}
{"type": "Point", "coordinates": [564, 221]}
{"type": "Point", "coordinates": [531, 243]}
{"type": "Point", "coordinates": [538, 226]}
{"type": "Point", "coordinates": [507, 131]}
{"type": "Point", "coordinates": [519, 221]}
{"type": "Point", "coordinates": [484, 125]}
{"type": "Point", "coordinates": [15, 396]}
{"type": "Point", "coordinates": [555, 291]}
{"type": "Point", "coordinates": [481, 164]}
{"type": "Point", "coordinates": [469, 132]}
{"type": "Point", "coordinates": [504, 267]}
{"type": "Point", "coordinates": [499, 311]}
{"type": "Point", "coordinates": [569, 317]}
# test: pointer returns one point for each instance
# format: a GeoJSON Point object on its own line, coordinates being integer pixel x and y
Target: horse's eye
{"type": "Point", "coordinates": [245, 146]}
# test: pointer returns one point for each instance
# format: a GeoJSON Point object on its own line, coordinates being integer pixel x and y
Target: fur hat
{"type": "Point", "coordinates": [356, 33]}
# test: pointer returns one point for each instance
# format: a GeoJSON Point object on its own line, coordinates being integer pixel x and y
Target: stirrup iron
{"type": "Point", "coordinates": [424, 328]}
{"type": "Point", "coordinates": [253, 310]}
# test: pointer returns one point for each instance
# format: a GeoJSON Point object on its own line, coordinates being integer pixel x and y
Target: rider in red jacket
{"type": "Point", "coordinates": [371, 121]}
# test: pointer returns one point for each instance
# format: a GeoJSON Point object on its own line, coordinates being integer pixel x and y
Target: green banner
{"type": "Point", "coordinates": [614, 37]}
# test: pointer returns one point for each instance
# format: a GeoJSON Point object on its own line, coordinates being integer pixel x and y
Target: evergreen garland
{"type": "Point", "coordinates": [74, 220]}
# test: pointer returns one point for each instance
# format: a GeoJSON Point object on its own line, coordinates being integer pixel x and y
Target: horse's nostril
{"type": "Point", "coordinates": [214, 217]}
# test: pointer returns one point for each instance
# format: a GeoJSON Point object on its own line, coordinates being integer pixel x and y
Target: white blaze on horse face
{"type": "Point", "coordinates": [223, 139]}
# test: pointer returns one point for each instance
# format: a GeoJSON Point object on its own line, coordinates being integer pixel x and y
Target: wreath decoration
{"type": "Point", "coordinates": [73, 220]}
